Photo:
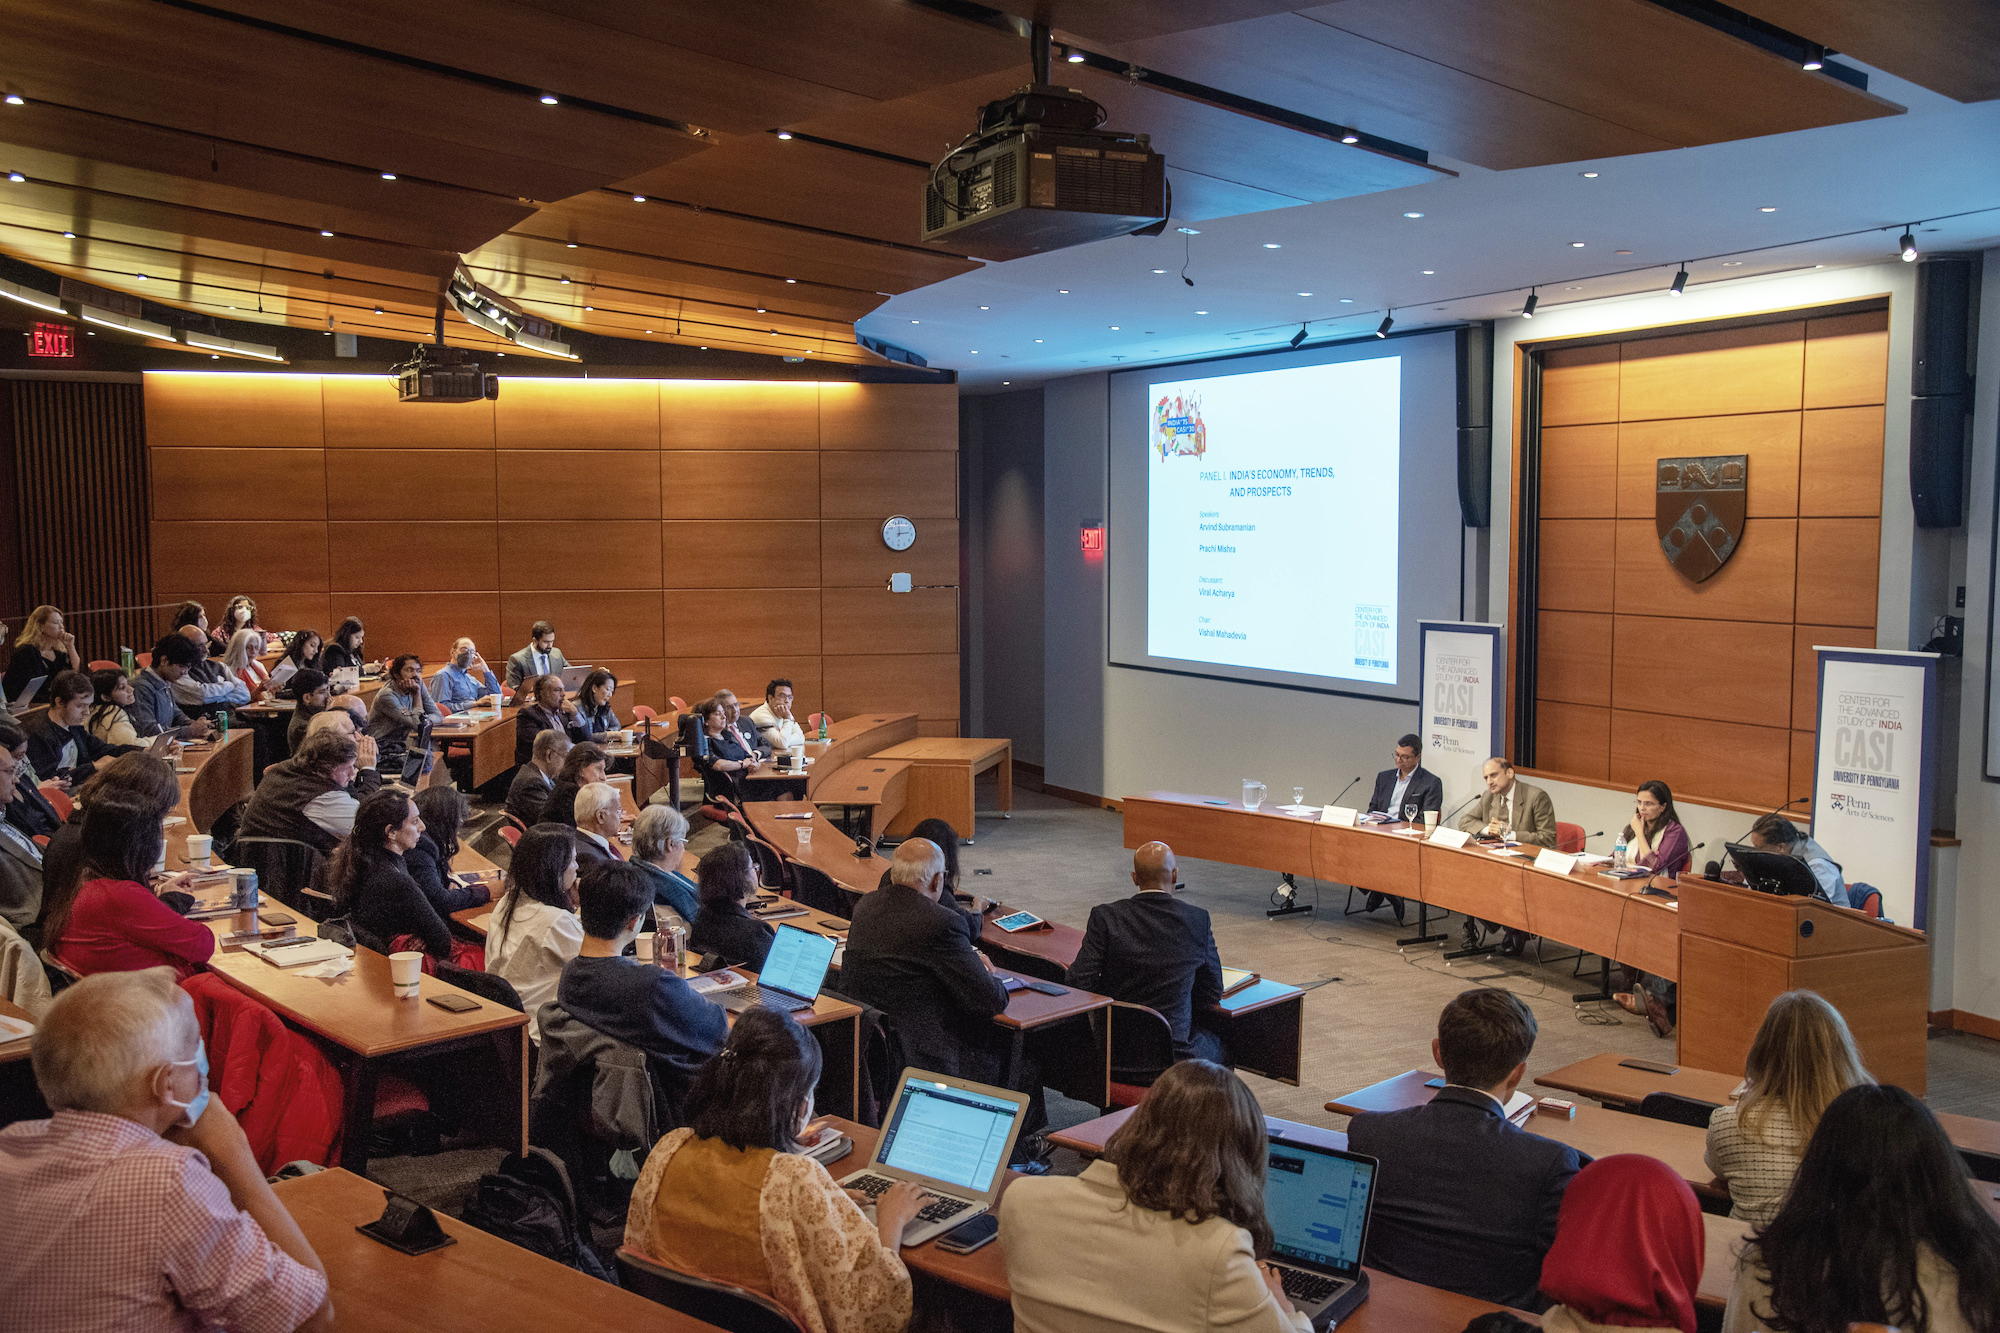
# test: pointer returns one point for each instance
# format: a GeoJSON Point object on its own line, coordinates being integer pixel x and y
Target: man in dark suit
{"type": "Point", "coordinates": [1465, 1200]}
{"type": "Point", "coordinates": [909, 956]}
{"type": "Point", "coordinates": [1156, 950]}
{"type": "Point", "coordinates": [539, 658]}
{"type": "Point", "coordinates": [528, 793]}
{"type": "Point", "coordinates": [1398, 788]}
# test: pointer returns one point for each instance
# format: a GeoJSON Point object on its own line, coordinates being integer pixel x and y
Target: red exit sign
{"type": "Point", "coordinates": [51, 340]}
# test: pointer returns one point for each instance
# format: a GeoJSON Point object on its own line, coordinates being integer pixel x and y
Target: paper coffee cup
{"type": "Point", "coordinates": [1430, 819]}
{"type": "Point", "coordinates": [199, 846]}
{"type": "Point", "coordinates": [647, 944]}
{"type": "Point", "coordinates": [404, 970]}
{"type": "Point", "coordinates": [624, 735]}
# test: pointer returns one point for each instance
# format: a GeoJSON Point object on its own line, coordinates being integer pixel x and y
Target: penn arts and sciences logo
{"type": "Point", "coordinates": [1699, 507]}
{"type": "Point", "coordinates": [1178, 429]}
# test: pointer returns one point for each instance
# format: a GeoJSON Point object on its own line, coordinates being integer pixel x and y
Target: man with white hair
{"type": "Point", "coordinates": [138, 1204]}
{"type": "Point", "coordinates": [659, 839]}
{"type": "Point", "coordinates": [908, 955]}
{"type": "Point", "coordinates": [466, 681]}
{"type": "Point", "coordinates": [599, 815]}
{"type": "Point", "coordinates": [313, 796]}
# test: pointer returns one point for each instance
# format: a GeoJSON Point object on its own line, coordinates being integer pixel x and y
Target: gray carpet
{"type": "Point", "coordinates": [1370, 1012]}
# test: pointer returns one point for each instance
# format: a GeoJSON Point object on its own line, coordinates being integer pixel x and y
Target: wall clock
{"type": "Point", "coordinates": [898, 533]}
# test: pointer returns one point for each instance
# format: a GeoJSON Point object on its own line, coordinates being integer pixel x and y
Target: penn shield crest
{"type": "Point", "coordinates": [1699, 507]}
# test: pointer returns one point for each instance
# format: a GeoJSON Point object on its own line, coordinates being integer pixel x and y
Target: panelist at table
{"type": "Point", "coordinates": [1509, 808]}
{"type": "Point", "coordinates": [1655, 838]}
{"type": "Point", "coordinates": [1398, 789]}
{"type": "Point", "coordinates": [539, 658]}
{"type": "Point", "coordinates": [1157, 950]}
{"type": "Point", "coordinates": [1777, 834]}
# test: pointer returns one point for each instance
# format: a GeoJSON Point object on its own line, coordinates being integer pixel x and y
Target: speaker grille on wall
{"type": "Point", "coordinates": [1939, 384]}
{"type": "Point", "coordinates": [1474, 348]}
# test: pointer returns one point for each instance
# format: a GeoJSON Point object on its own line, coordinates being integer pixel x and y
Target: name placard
{"type": "Point", "coordinates": [1551, 859]}
{"type": "Point", "coordinates": [1343, 815]}
{"type": "Point", "coordinates": [1449, 837]}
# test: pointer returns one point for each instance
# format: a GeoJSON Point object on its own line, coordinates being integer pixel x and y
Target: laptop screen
{"type": "Point", "coordinates": [797, 962]}
{"type": "Point", "coordinates": [1317, 1204]}
{"type": "Point", "coordinates": [949, 1134]}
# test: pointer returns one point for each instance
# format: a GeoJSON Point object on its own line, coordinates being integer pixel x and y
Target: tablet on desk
{"type": "Point", "coordinates": [1015, 921]}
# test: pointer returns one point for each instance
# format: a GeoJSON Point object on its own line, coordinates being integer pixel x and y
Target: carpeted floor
{"type": "Point", "coordinates": [1370, 1012]}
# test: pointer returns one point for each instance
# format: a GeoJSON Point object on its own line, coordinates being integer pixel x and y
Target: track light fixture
{"type": "Point", "coordinates": [1680, 282]}
{"type": "Point", "coordinates": [1814, 57]}
{"type": "Point", "coordinates": [1908, 244]}
{"type": "Point", "coordinates": [1300, 336]}
{"type": "Point", "coordinates": [1528, 306]}
{"type": "Point", "coordinates": [1388, 322]}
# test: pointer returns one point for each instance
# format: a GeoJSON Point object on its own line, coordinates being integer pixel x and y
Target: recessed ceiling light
{"type": "Point", "coordinates": [1062, 291]}
{"type": "Point", "coordinates": [326, 233]}
{"type": "Point", "coordinates": [1350, 138]}
{"type": "Point", "coordinates": [1769, 208]}
{"type": "Point", "coordinates": [214, 356]}
{"type": "Point", "coordinates": [1732, 263]}
{"type": "Point", "coordinates": [1074, 57]}
{"type": "Point", "coordinates": [140, 276]}
{"type": "Point", "coordinates": [70, 236]}
{"type": "Point", "coordinates": [760, 310]}
{"type": "Point", "coordinates": [1347, 300]}
{"type": "Point", "coordinates": [1038, 340]}
{"type": "Point", "coordinates": [1006, 381]}
{"type": "Point", "coordinates": [1574, 288]}
{"type": "Point", "coordinates": [1159, 270]}
{"type": "Point", "coordinates": [388, 175]}
{"type": "Point", "coordinates": [570, 246]}
{"type": "Point", "coordinates": [916, 321]}
{"type": "Point", "coordinates": [791, 279]}
{"type": "Point", "coordinates": [1588, 175]}
{"type": "Point", "coordinates": [702, 348]}
{"type": "Point", "coordinates": [1429, 272]}
{"type": "Point", "coordinates": [1115, 328]}
{"type": "Point", "coordinates": [975, 351]}
{"type": "Point", "coordinates": [563, 281]}
{"type": "Point", "coordinates": [1576, 245]}
{"type": "Point", "coordinates": [590, 307]}
{"type": "Point", "coordinates": [1622, 252]}
{"type": "Point", "coordinates": [986, 307]}
{"type": "Point", "coordinates": [784, 134]}
{"type": "Point", "coordinates": [1272, 245]}
{"type": "Point", "coordinates": [16, 177]}
{"type": "Point", "coordinates": [1188, 231]}
{"type": "Point", "coordinates": [14, 99]}
{"type": "Point", "coordinates": [378, 309]}
{"type": "Point", "coordinates": [1305, 293]}
{"type": "Point", "coordinates": [1413, 215]}
{"type": "Point", "coordinates": [548, 99]}
{"type": "Point", "coordinates": [638, 198]}
{"type": "Point", "coordinates": [1201, 312]}
{"type": "Point", "coordinates": [649, 330]}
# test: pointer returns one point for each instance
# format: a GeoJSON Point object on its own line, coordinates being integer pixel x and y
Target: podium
{"type": "Point", "coordinates": [1741, 949]}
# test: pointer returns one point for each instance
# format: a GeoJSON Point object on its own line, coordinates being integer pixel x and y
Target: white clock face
{"type": "Point", "coordinates": [898, 533]}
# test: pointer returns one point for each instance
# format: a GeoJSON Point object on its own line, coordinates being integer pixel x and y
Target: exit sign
{"type": "Point", "coordinates": [51, 340]}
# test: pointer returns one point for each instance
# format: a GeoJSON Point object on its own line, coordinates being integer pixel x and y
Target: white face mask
{"type": "Point", "coordinates": [192, 1109]}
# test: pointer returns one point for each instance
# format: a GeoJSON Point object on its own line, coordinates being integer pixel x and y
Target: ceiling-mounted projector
{"type": "Point", "coordinates": [444, 375]}
{"type": "Point", "coordinates": [1038, 174]}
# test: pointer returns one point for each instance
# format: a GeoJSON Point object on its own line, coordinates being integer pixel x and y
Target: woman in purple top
{"type": "Point", "coordinates": [1654, 838]}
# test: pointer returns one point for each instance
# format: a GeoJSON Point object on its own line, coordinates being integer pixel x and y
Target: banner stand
{"type": "Point", "coordinates": [1874, 772]}
{"type": "Point", "coordinates": [1463, 706]}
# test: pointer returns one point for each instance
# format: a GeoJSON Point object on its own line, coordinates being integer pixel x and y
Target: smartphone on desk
{"type": "Point", "coordinates": [969, 1236]}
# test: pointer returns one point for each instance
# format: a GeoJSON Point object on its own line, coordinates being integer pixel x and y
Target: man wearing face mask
{"type": "Point", "coordinates": [466, 681]}
{"type": "Point", "coordinates": [138, 1204]}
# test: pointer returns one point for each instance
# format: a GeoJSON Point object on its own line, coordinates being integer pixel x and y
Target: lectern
{"type": "Point", "coordinates": [1741, 949]}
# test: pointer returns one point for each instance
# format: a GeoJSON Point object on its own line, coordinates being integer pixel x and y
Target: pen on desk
{"type": "Point", "coordinates": [286, 944]}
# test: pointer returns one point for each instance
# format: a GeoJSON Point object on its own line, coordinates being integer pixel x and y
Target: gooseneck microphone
{"type": "Point", "coordinates": [1344, 790]}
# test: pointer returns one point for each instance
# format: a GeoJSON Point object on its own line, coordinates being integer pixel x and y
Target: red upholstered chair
{"type": "Point", "coordinates": [1569, 837]}
{"type": "Point", "coordinates": [101, 665]}
{"type": "Point", "coordinates": [1142, 1047]}
{"type": "Point", "coordinates": [512, 833]}
{"type": "Point", "coordinates": [680, 704]}
{"type": "Point", "coordinates": [812, 723]}
{"type": "Point", "coordinates": [641, 713]}
{"type": "Point", "coordinates": [144, 659]}
{"type": "Point", "coordinates": [58, 798]}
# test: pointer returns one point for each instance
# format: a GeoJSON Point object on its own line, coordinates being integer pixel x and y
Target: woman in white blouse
{"type": "Point", "coordinates": [534, 930]}
{"type": "Point", "coordinates": [1164, 1233]}
{"type": "Point", "coordinates": [1802, 1059]}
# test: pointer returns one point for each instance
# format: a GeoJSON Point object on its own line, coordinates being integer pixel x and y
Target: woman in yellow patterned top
{"type": "Point", "coordinates": [729, 1198]}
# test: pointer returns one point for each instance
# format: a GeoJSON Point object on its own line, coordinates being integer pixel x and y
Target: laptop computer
{"type": "Point", "coordinates": [23, 701]}
{"type": "Point", "coordinates": [1318, 1201]}
{"type": "Point", "coordinates": [951, 1136]}
{"type": "Point", "coordinates": [793, 972]}
{"type": "Point", "coordinates": [1778, 873]}
{"type": "Point", "coordinates": [574, 676]}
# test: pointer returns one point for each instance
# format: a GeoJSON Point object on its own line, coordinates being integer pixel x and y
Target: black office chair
{"type": "Point", "coordinates": [1142, 1048]}
{"type": "Point", "coordinates": [1671, 1106]}
{"type": "Point", "coordinates": [486, 985]}
{"type": "Point", "coordinates": [1983, 1165]}
{"type": "Point", "coordinates": [286, 870]}
{"type": "Point", "coordinates": [717, 1303]}
{"type": "Point", "coordinates": [814, 888]}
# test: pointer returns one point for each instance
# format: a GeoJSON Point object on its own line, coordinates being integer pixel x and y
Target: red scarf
{"type": "Point", "coordinates": [1628, 1246]}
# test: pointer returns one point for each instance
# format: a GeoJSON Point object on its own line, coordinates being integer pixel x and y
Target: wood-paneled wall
{"type": "Point", "coordinates": [1709, 687]}
{"type": "Point", "coordinates": [695, 535]}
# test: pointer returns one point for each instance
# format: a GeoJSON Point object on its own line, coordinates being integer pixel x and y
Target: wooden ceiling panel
{"type": "Point", "coordinates": [1624, 62]}
{"type": "Point", "coordinates": [798, 182]}
{"type": "Point", "coordinates": [1133, 20]}
{"type": "Point", "coordinates": [926, 125]}
{"type": "Point", "coordinates": [575, 54]}
{"type": "Point", "coordinates": [163, 66]}
{"type": "Point", "coordinates": [1948, 46]}
{"type": "Point", "coordinates": [876, 49]}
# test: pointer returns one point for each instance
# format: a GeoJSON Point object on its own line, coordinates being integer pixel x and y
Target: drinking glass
{"type": "Point", "coordinates": [1298, 796]}
{"type": "Point", "coordinates": [1410, 813]}
{"type": "Point", "coordinates": [1253, 793]}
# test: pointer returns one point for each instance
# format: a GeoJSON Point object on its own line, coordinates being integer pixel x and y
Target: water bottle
{"type": "Point", "coordinates": [1618, 853]}
{"type": "Point", "coordinates": [244, 900]}
{"type": "Point", "coordinates": [822, 726]}
{"type": "Point", "coordinates": [222, 724]}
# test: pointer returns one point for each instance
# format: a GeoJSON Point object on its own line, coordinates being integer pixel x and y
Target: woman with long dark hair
{"type": "Point", "coordinates": [111, 920]}
{"type": "Point", "coordinates": [593, 705]}
{"type": "Point", "coordinates": [345, 650]}
{"type": "Point", "coordinates": [1655, 838]}
{"type": "Point", "coordinates": [535, 929]}
{"type": "Point", "coordinates": [1176, 1207]}
{"type": "Point", "coordinates": [429, 862]}
{"type": "Point", "coordinates": [301, 654]}
{"type": "Point", "coordinates": [729, 1197]}
{"type": "Point", "coordinates": [372, 885]}
{"type": "Point", "coordinates": [1881, 1226]}
{"type": "Point", "coordinates": [109, 721]}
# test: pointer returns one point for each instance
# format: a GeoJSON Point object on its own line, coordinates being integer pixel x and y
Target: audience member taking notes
{"type": "Point", "coordinates": [724, 927]}
{"type": "Point", "coordinates": [1157, 950]}
{"type": "Point", "coordinates": [731, 1199]}
{"type": "Point", "coordinates": [138, 1204]}
{"type": "Point", "coordinates": [1161, 1234]}
{"type": "Point", "coordinates": [1802, 1058]}
{"type": "Point", "coordinates": [1467, 1201]}
{"type": "Point", "coordinates": [539, 658]}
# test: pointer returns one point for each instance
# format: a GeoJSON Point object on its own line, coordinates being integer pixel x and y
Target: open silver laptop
{"type": "Point", "coordinates": [25, 700]}
{"type": "Point", "coordinates": [952, 1137]}
{"type": "Point", "coordinates": [794, 970]}
{"type": "Point", "coordinates": [1318, 1201]}
{"type": "Point", "coordinates": [573, 677]}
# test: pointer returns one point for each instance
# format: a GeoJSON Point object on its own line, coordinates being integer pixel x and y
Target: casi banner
{"type": "Point", "coordinates": [1463, 707]}
{"type": "Point", "coordinates": [1874, 772]}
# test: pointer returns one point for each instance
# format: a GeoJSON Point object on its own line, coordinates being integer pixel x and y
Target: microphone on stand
{"type": "Point", "coordinates": [1780, 810]}
{"type": "Point", "coordinates": [1344, 790]}
{"type": "Point", "coordinates": [1444, 818]}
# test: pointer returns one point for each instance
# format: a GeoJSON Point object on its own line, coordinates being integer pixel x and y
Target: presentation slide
{"type": "Point", "coordinates": [1272, 519]}
{"type": "Point", "coordinates": [1287, 518]}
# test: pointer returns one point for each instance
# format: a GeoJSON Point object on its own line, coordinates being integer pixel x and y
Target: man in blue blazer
{"type": "Point", "coordinates": [1464, 1200]}
{"type": "Point", "coordinates": [1407, 784]}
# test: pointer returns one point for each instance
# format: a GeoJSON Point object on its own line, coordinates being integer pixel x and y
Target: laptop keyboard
{"type": "Point", "coordinates": [1306, 1288]}
{"type": "Point", "coordinates": [747, 997]}
{"type": "Point", "coordinates": [936, 1208]}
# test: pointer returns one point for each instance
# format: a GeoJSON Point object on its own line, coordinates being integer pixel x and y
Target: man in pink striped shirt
{"type": "Point", "coordinates": [138, 1204]}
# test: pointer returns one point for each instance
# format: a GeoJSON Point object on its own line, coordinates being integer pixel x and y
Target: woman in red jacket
{"type": "Point", "coordinates": [112, 921]}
